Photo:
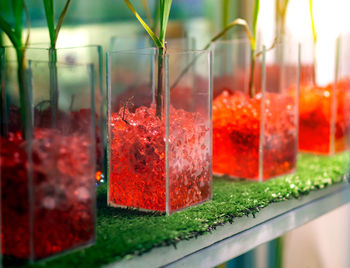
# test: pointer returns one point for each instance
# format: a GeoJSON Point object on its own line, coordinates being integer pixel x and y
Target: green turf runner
{"type": "Point", "coordinates": [122, 233]}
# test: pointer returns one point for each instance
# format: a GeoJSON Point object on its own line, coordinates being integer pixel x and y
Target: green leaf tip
{"type": "Point", "coordinates": [314, 34]}
{"type": "Point", "coordinates": [155, 39]}
{"type": "Point", "coordinates": [50, 19]}
{"type": "Point", "coordinates": [165, 6]}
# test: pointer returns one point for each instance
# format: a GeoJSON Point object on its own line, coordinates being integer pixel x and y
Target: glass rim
{"type": "Point", "coordinates": [147, 37]}
{"type": "Point", "coordinates": [31, 47]}
{"type": "Point", "coordinates": [283, 39]}
{"type": "Point", "coordinates": [44, 62]}
{"type": "Point", "coordinates": [152, 50]}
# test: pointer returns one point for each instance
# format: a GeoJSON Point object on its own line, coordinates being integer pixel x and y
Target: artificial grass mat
{"type": "Point", "coordinates": [122, 233]}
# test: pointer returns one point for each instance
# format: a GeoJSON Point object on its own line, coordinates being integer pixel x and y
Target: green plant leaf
{"type": "Point", "coordinates": [147, 12]}
{"type": "Point", "coordinates": [50, 19]}
{"type": "Point", "coordinates": [255, 17]}
{"type": "Point", "coordinates": [26, 11]}
{"type": "Point", "coordinates": [165, 6]}
{"type": "Point", "coordinates": [17, 6]}
{"type": "Point", "coordinates": [236, 22]}
{"type": "Point", "coordinates": [314, 34]}
{"type": "Point", "coordinates": [6, 27]}
{"type": "Point", "coordinates": [155, 39]}
{"type": "Point", "coordinates": [281, 7]}
{"type": "Point", "coordinates": [61, 19]}
{"type": "Point", "coordinates": [272, 46]}
{"type": "Point", "coordinates": [156, 17]}
{"type": "Point", "coordinates": [225, 5]}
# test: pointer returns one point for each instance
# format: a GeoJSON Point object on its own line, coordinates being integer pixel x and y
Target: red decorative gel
{"type": "Point", "coordinates": [138, 159]}
{"type": "Point", "coordinates": [62, 191]}
{"type": "Point", "coordinates": [315, 117]}
{"type": "Point", "coordinates": [236, 135]}
{"type": "Point", "coordinates": [79, 120]}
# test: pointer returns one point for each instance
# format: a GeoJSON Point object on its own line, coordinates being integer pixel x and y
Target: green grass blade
{"type": "Point", "coordinates": [281, 7]}
{"type": "Point", "coordinates": [225, 5]}
{"type": "Point", "coordinates": [284, 11]}
{"type": "Point", "coordinates": [255, 17]}
{"type": "Point", "coordinates": [60, 21]}
{"type": "Point", "coordinates": [50, 19]}
{"type": "Point", "coordinates": [17, 6]}
{"type": "Point", "coordinates": [165, 6]}
{"type": "Point", "coordinates": [161, 16]}
{"type": "Point", "coordinates": [147, 12]}
{"type": "Point", "coordinates": [26, 11]}
{"type": "Point", "coordinates": [6, 28]}
{"type": "Point", "coordinates": [314, 34]}
{"type": "Point", "coordinates": [155, 39]}
{"type": "Point", "coordinates": [156, 17]}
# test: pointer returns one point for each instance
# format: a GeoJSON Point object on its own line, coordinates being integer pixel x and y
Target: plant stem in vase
{"type": "Point", "coordinates": [15, 36]}
{"type": "Point", "coordinates": [160, 84]}
{"type": "Point", "coordinates": [53, 33]}
{"type": "Point", "coordinates": [159, 148]}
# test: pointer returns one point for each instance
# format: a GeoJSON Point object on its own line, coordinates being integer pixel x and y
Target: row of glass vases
{"type": "Point", "coordinates": [173, 119]}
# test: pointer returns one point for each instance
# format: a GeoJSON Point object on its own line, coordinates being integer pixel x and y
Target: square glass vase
{"type": "Point", "coordinates": [324, 112]}
{"type": "Point", "coordinates": [47, 155]}
{"type": "Point", "coordinates": [255, 128]}
{"type": "Point", "coordinates": [160, 131]}
{"type": "Point", "coordinates": [86, 55]}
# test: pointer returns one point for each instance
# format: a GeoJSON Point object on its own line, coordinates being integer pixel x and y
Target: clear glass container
{"type": "Point", "coordinates": [91, 54]}
{"type": "Point", "coordinates": [160, 133]}
{"type": "Point", "coordinates": [47, 161]}
{"type": "Point", "coordinates": [255, 128]}
{"type": "Point", "coordinates": [324, 113]}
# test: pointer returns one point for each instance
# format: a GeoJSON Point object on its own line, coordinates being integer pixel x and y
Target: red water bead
{"type": "Point", "coordinates": [73, 122]}
{"type": "Point", "coordinates": [80, 122]}
{"type": "Point", "coordinates": [315, 117]}
{"type": "Point", "coordinates": [236, 135]}
{"type": "Point", "coordinates": [137, 169]}
{"type": "Point", "coordinates": [63, 186]}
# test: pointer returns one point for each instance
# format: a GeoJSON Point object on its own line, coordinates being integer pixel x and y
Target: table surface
{"type": "Point", "coordinates": [241, 216]}
{"type": "Point", "coordinates": [232, 240]}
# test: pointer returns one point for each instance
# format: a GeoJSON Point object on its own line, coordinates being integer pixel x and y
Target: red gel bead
{"type": "Point", "coordinates": [138, 160]}
{"type": "Point", "coordinates": [62, 208]}
{"type": "Point", "coordinates": [315, 117]}
{"type": "Point", "coordinates": [236, 135]}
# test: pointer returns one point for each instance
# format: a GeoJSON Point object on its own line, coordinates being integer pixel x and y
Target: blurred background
{"type": "Point", "coordinates": [322, 243]}
{"type": "Point", "coordinates": [92, 22]}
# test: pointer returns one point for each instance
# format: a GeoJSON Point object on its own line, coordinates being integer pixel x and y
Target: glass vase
{"type": "Point", "coordinates": [255, 114]}
{"type": "Point", "coordinates": [47, 161]}
{"type": "Point", "coordinates": [324, 116]}
{"type": "Point", "coordinates": [91, 54]}
{"type": "Point", "coordinates": [159, 120]}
